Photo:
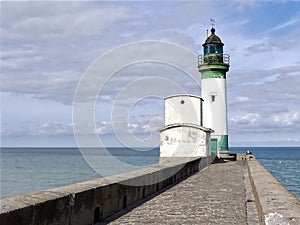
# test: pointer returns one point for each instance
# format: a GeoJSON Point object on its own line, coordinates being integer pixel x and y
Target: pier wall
{"type": "Point", "coordinates": [274, 203]}
{"type": "Point", "coordinates": [91, 201]}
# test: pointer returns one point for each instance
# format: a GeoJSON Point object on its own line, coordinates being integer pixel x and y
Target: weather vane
{"type": "Point", "coordinates": [212, 22]}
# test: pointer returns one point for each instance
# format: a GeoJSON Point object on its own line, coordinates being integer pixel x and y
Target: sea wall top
{"type": "Point", "coordinates": [89, 202]}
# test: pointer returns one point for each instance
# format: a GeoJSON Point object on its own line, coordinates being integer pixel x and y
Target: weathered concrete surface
{"type": "Point", "coordinates": [214, 196]}
{"type": "Point", "coordinates": [276, 205]}
{"type": "Point", "coordinates": [252, 213]}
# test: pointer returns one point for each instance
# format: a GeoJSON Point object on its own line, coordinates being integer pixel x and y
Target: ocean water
{"type": "Point", "coordinates": [27, 170]}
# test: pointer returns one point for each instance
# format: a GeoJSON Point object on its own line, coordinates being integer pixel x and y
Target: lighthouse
{"type": "Point", "coordinates": [213, 65]}
{"type": "Point", "coordinates": [197, 126]}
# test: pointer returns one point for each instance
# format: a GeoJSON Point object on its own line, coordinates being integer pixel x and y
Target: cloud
{"type": "Point", "coordinates": [144, 126]}
{"type": "Point", "coordinates": [265, 103]}
{"type": "Point", "coordinates": [104, 128]}
{"type": "Point", "coordinates": [71, 20]}
{"type": "Point", "coordinates": [239, 100]}
{"type": "Point", "coordinates": [59, 86]}
{"type": "Point", "coordinates": [248, 119]}
{"type": "Point", "coordinates": [283, 25]}
{"type": "Point", "coordinates": [274, 123]}
{"type": "Point", "coordinates": [51, 129]}
{"type": "Point", "coordinates": [286, 119]}
{"type": "Point", "coordinates": [43, 129]}
{"type": "Point", "coordinates": [46, 50]}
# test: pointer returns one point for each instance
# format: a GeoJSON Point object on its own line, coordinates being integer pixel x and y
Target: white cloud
{"type": "Point", "coordinates": [104, 128]}
{"type": "Point", "coordinates": [284, 25]}
{"type": "Point", "coordinates": [43, 129]}
{"type": "Point", "coordinates": [275, 123]}
{"type": "Point", "coordinates": [246, 119]}
{"type": "Point", "coordinates": [58, 86]}
{"type": "Point", "coordinates": [285, 119]}
{"type": "Point", "coordinates": [72, 21]}
{"type": "Point", "coordinates": [139, 124]}
{"type": "Point", "coordinates": [239, 100]}
{"type": "Point", "coordinates": [51, 129]}
{"type": "Point", "coordinates": [17, 53]}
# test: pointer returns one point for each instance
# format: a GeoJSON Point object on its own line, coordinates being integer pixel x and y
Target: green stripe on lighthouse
{"type": "Point", "coordinates": [213, 74]}
{"type": "Point", "coordinates": [224, 143]}
{"type": "Point", "coordinates": [213, 70]}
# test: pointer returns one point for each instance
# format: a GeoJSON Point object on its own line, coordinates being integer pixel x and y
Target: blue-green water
{"type": "Point", "coordinates": [26, 170]}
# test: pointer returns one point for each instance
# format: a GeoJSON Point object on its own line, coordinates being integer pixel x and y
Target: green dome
{"type": "Point", "coordinates": [213, 39]}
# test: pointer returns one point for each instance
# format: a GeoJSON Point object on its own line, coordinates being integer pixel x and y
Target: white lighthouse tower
{"type": "Point", "coordinates": [213, 65]}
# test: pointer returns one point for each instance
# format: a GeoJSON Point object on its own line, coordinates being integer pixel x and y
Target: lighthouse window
{"type": "Point", "coordinates": [219, 49]}
{"type": "Point", "coordinates": [213, 49]}
{"type": "Point", "coordinates": [213, 98]}
{"type": "Point", "coordinates": [206, 50]}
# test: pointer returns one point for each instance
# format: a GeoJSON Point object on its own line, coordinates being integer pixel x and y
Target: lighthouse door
{"type": "Point", "coordinates": [214, 146]}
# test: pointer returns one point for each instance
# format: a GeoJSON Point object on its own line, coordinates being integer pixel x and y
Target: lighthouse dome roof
{"type": "Point", "coordinates": [213, 39]}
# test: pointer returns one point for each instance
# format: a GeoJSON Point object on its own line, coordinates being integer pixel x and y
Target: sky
{"type": "Point", "coordinates": [51, 95]}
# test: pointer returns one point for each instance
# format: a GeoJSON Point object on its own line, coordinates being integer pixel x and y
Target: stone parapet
{"type": "Point", "coordinates": [91, 201]}
{"type": "Point", "coordinates": [275, 204]}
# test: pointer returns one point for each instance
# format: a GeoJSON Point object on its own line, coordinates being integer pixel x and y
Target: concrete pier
{"type": "Point", "coordinates": [217, 195]}
{"type": "Point", "coordinates": [231, 192]}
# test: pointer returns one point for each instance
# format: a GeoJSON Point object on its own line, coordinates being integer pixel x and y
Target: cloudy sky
{"type": "Point", "coordinates": [49, 48]}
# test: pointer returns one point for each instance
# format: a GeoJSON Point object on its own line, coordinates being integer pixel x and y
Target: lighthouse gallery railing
{"type": "Point", "coordinates": [214, 59]}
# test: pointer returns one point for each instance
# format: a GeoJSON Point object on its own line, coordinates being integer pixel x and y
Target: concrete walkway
{"type": "Point", "coordinates": [216, 195]}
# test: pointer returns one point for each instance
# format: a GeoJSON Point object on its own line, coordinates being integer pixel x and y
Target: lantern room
{"type": "Point", "coordinates": [213, 49]}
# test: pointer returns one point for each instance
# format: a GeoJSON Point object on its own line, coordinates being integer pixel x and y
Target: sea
{"type": "Point", "coordinates": [27, 170]}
